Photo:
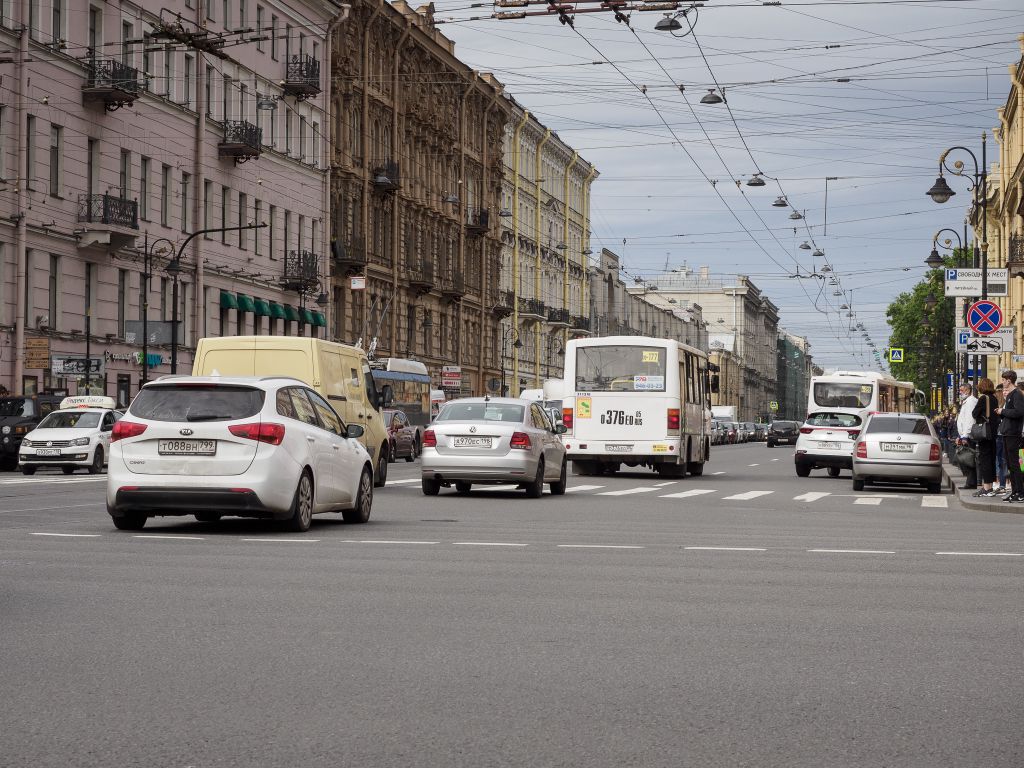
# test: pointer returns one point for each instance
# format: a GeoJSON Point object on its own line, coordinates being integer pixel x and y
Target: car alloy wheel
{"type": "Point", "coordinates": [302, 504]}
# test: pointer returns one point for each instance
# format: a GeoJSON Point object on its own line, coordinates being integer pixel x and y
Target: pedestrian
{"type": "Point", "coordinates": [1011, 421]}
{"type": "Point", "coordinates": [983, 432]}
{"type": "Point", "coordinates": [964, 443]}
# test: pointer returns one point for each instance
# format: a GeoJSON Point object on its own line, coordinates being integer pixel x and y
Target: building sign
{"type": "Point", "coordinates": [76, 366]}
{"type": "Point", "coordinates": [357, 283]}
{"type": "Point", "coordinates": [37, 353]}
{"type": "Point", "coordinates": [967, 282]}
{"type": "Point", "coordinates": [451, 377]}
{"type": "Point", "coordinates": [158, 331]}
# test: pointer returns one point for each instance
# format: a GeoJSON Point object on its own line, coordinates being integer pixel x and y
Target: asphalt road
{"type": "Point", "coordinates": [796, 623]}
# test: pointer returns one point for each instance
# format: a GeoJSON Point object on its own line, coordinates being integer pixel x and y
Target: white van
{"type": "Point", "coordinates": [339, 372]}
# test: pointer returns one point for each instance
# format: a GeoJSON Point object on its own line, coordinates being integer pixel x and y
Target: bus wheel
{"type": "Point", "coordinates": [672, 470]}
{"type": "Point", "coordinates": [697, 468]}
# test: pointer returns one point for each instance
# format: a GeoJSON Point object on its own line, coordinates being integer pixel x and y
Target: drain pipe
{"type": "Point", "coordinates": [20, 184]}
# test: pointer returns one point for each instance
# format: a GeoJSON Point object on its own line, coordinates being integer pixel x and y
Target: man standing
{"type": "Point", "coordinates": [1012, 419]}
{"type": "Point", "coordinates": [964, 422]}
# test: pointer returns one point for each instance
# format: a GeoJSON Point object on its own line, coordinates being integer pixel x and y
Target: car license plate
{"type": "Point", "coordinates": [47, 451]}
{"type": "Point", "coordinates": [897, 447]}
{"type": "Point", "coordinates": [472, 442]}
{"type": "Point", "coordinates": [829, 446]}
{"type": "Point", "coordinates": [186, 447]}
{"type": "Point", "coordinates": [618, 447]}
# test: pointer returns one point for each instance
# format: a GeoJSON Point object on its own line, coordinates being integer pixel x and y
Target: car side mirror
{"type": "Point", "coordinates": [354, 431]}
{"type": "Point", "coordinates": [561, 429]}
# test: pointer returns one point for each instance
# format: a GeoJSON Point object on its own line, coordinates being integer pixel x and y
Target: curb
{"type": "Point", "coordinates": [954, 477]}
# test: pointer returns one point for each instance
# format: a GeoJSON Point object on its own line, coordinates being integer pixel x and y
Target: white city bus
{"type": "Point", "coordinates": [637, 401]}
{"type": "Point", "coordinates": [860, 392]}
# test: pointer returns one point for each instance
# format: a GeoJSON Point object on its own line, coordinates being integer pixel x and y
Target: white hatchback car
{"type": "Point", "coordinates": [826, 439]}
{"type": "Point", "coordinates": [75, 437]}
{"type": "Point", "coordinates": [267, 447]}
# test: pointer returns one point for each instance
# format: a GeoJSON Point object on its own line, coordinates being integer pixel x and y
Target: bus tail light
{"type": "Point", "coordinates": [429, 439]}
{"type": "Point", "coordinates": [567, 418]}
{"type": "Point", "coordinates": [935, 453]}
{"type": "Point", "coordinates": [520, 440]}
{"type": "Point", "coordinates": [673, 420]}
{"type": "Point", "coordinates": [862, 450]}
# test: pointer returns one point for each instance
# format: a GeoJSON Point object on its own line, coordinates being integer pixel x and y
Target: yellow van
{"type": "Point", "coordinates": [337, 371]}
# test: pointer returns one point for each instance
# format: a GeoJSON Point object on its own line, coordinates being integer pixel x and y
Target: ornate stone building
{"type": "Point", "coordinates": [416, 186]}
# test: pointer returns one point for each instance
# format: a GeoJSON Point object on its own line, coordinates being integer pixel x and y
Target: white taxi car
{"type": "Point", "coordinates": [826, 439]}
{"type": "Point", "coordinates": [76, 435]}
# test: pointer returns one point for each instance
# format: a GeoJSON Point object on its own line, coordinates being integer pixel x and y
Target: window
{"type": "Point", "coordinates": [57, 24]}
{"type": "Point", "coordinates": [620, 368]}
{"type": "Point", "coordinates": [224, 193]}
{"type": "Point", "coordinates": [127, 33]}
{"type": "Point", "coordinates": [144, 189]}
{"type": "Point", "coordinates": [90, 286]}
{"type": "Point", "coordinates": [258, 219]}
{"type": "Point", "coordinates": [243, 205]}
{"type": "Point", "coordinates": [91, 164]}
{"type": "Point", "coordinates": [241, 14]}
{"type": "Point", "coordinates": [54, 291]}
{"type": "Point", "coordinates": [287, 43]}
{"type": "Point", "coordinates": [186, 182]}
{"type": "Point", "coordinates": [3, 139]}
{"type": "Point", "coordinates": [225, 100]}
{"type": "Point", "coordinates": [209, 91]}
{"type": "Point", "coordinates": [207, 201]}
{"type": "Point", "coordinates": [143, 296]}
{"type": "Point", "coordinates": [328, 418]}
{"type": "Point", "coordinates": [227, 12]}
{"type": "Point", "coordinates": [259, 28]}
{"type": "Point", "coordinates": [30, 150]}
{"type": "Point", "coordinates": [165, 196]}
{"type": "Point", "coordinates": [273, 37]}
{"type": "Point", "coordinates": [168, 72]}
{"type": "Point", "coordinates": [243, 92]}
{"type": "Point", "coordinates": [905, 424]}
{"type": "Point", "coordinates": [302, 139]}
{"type": "Point", "coordinates": [189, 66]}
{"type": "Point", "coordinates": [95, 30]}
{"type": "Point", "coordinates": [33, 19]}
{"type": "Point", "coordinates": [165, 292]}
{"type": "Point", "coordinates": [314, 152]}
{"type": "Point", "coordinates": [209, 10]}
{"type": "Point", "coordinates": [271, 239]}
{"type": "Point", "coordinates": [125, 177]}
{"type": "Point", "coordinates": [830, 419]}
{"type": "Point", "coordinates": [302, 231]}
{"type": "Point", "coordinates": [288, 133]}
{"type": "Point", "coordinates": [147, 66]}
{"type": "Point", "coordinates": [303, 409]}
{"type": "Point", "coordinates": [122, 299]}
{"type": "Point", "coordinates": [287, 231]}
{"type": "Point", "coordinates": [56, 159]}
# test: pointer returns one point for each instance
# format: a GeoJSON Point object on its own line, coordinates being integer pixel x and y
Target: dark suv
{"type": "Point", "coordinates": [783, 432]}
{"type": "Point", "coordinates": [18, 417]}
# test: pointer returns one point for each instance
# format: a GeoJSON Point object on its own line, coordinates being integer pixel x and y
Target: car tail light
{"type": "Point", "coordinates": [935, 453]}
{"type": "Point", "coordinates": [429, 439]}
{"type": "Point", "coordinates": [520, 440]}
{"type": "Point", "coordinates": [260, 431]}
{"type": "Point", "coordinates": [806, 430]}
{"type": "Point", "coordinates": [567, 417]}
{"type": "Point", "coordinates": [862, 450]}
{"type": "Point", "coordinates": [854, 433]}
{"type": "Point", "coordinates": [673, 419]}
{"type": "Point", "coordinates": [123, 429]}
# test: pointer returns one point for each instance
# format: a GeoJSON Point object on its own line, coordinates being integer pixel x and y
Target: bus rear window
{"type": "Point", "coordinates": [620, 368]}
{"type": "Point", "coordinates": [842, 395]}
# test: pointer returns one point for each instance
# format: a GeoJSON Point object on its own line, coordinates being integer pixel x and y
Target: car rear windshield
{"type": "Point", "coordinates": [481, 412]}
{"type": "Point", "coordinates": [183, 402]}
{"type": "Point", "coordinates": [900, 425]}
{"type": "Point", "coordinates": [829, 419]}
{"type": "Point", "coordinates": [783, 425]}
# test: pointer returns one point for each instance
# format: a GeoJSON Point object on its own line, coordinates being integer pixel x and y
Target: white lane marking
{"type": "Point", "coordinates": [285, 541]}
{"type": "Point", "coordinates": [872, 500]}
{"type": "Point", "coordinates": [598, 546]}
{"type": "Point", "coordinates": [984, 554]}
{"type": "Point", "coordinates": [812, 496]}
{"type": "Point", "coordinates": [53, 480]}
{"type": "Point", "coordinates": [857, 551]}
{"type": "Point", "coordinates": [754, 465]}
{"type": "Point", "coordinates": [689, 494]}
{"type": "Point", "coordinates": [164, 536]}
{"type": "Point", "coordinates": [662, 485]}
{"type": "Point", "coordinates": [487, 544]}
{"type": "Point", "coordinates": [402, 482]}
{"type": "Point", "coordinates": [47, 509]}
{"type": "Point", "coordinates": [747, 496]}
{"type": "Point", "coordinates": [71, 535]}
{"type": "Point", "coordinates": [774, 459]}
{"type": "Point", "coordinates": [934, 501]}
{"type": "Point", "coordinates": [718, 473]}
{"type": "Point", "coordinates": [731, 549]}
{"type": "Point", "coordinates": [503, 487]}
{"type": "Point", "coordinates": [578, 488]}
{"type": "Point", "coordinates": [388, 541]}
{"type": "Point", "coordinates": [627, 491]}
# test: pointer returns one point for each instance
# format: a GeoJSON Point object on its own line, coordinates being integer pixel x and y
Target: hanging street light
{"type": "Point", "coordinates": [711, 97]}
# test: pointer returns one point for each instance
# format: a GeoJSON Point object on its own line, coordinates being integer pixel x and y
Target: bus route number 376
{"type": "Point", "coordinates": [621, 417]}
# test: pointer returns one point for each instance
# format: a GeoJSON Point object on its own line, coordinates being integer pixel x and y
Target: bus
{"type": "Point", "coordinates": [860, 393]}
{"type": "Point", "coordinates": [410, 385]}
{"type": "Point", "coordinates": [638, 401]}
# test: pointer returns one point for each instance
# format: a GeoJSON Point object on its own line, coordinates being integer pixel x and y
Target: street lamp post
{"type": "Point", "coordinates": [508, 334]}
{"type": "Point", "coordinates": [934, 261]}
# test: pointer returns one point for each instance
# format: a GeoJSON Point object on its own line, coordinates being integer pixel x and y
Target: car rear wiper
{"type": "Point", "coordinates": [204, 417]}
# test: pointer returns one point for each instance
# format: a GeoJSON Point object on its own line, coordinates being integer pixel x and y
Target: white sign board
{"type": "Point", "coordinates": [995, 344]}
{"type": "Point", "coordinates": [967, 282]}
{"type": "Point", "coordinates": [451, 376]}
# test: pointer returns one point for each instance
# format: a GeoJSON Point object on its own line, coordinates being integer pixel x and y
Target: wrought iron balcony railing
{"type": "Point", "coordinates": [478, 221]}
{"type": "Point", "coordinates": [302, 77]}
{"type": "Point", "coordinates": [242, 141]}
{"type": "Point", "coordinates": [385, 175]}
{"type": "Point", "coordinates": [110, 210]}
{"type": "Point", "coordinates": [349, 257]}
{"type": "Point", "coordinates": [532, 308]}
{"type": "Point", "coordinates": [419, 274]}
{"type": "Point", "coordinates": [558, 316]}
{"type": "Point", "coordinates": [301, 271]}
{"type": "Point", "coordinates": [580, 323]}
{"type": "Point", "coordinates": [1015, 256]}
{"type": "Point", "coordinates": [111, 83]}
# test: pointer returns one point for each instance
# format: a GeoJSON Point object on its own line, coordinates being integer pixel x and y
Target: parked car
{"type": "Point", "coordinates": [826, 440]}
{"type": "Point", "coordinates": [489, 440]}
{"type": "Point", "coordinates": [780, 432]}
{"type": "Point", "coordinates": [266, 447]}
{"type": "Point", "coordinates": [75, 436]}
{"type": "Point", "coordinates": [717, 433]}
{"type": "Point", "coordinates": [895, 447]}
{"type": "Point", "coordinates": [732, 432]}
{"type": "Point", "coordinates": [750, 430]}
{"type": "Point", "coordinates": [760, 432]}
{"type": "Point", "coordinates": [19, 416]}
{"type": "Point", "coordinates": [403, 437]}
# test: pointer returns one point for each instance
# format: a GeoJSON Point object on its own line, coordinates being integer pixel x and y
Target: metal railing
{"type": "Point", "coordinates": [420, 271]}
{"type": "Point", "coordinates": [243, 134]}
{"type": "Point", "coordinates": [351, 254]}
{"type": "Point", "coordinates": [560, 315]}
{"type": "Point", "coordinates": [111, 73]}
{"type": "Point", "coordinates": [301, 270]}
{"type": "Point", "coordinates": [107, 209]}
{"type": "Point", "coordinates": [580, 322]}
{"type": "Point", "coordinates": [478, 221]}
{"type": "Point", "coordinates": [302, 76]}
{"type": "Point", "coordinates": [385, 174]}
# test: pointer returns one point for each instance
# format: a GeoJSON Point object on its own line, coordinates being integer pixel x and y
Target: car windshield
{"type": "Point", "coordinates": [481, 412]}
{"type": "Point", "coordinates": [843, 394]}
{"type": "Point", "coordinates": [830, 419]}
{"type": "Point", "coordinates": [16, 406]}
{"type": "Point", "coordinates": [71, 420]}
{"type": "Point", "coordinates": [620, 368]}
{"type": "Point", "coordinates": [190, 402]}
{"type": "Point", "coordinates": [900, 425]}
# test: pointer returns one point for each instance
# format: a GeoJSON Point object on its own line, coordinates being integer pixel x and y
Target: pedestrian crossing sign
{"type": "Point", "coordinates": [773, 405]}
{"type": "Point", "coordinates": [896, 355]}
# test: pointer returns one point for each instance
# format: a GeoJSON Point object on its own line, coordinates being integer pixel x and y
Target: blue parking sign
{"type": "Point", "coordinates": [951, 274]}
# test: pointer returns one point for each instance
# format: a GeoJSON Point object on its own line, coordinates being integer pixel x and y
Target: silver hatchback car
{"type": "Point", "coordinates": [493, 440]}
{"type": "Point", "coordinates": [898, 447]}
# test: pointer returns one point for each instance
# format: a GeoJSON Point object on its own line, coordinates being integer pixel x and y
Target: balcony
{"type": "Point", "coordinates": [532, 310]}
{"type": "Point", "coordinates": [242, 141]}
{"type": "Point", "coordinates": [302, 77]}
{"type": "Point", "coordinates": [579, 325]}
{"type": "Point", "coordinates": [503, 304]}
{"type": "Point", "coordinates": [301, 271]}
{"type": "Point", "coordinates": [109, 221]}
{"type": "Point", "coordinates": [478, 222]}
{"type": "Point", "coordinates": [558, 318]}
{"type": "Point", "coordinates": [111, 83]}
{"type": "Point", "coordinates": [419, 274]}
{"type": "Point", "coordinates": [385, 176]}
{"type": "Point", "coordinates": [1015, 256]}
{"type": "Point", "coordinates": [453, 287]}
{"type": "Point", "coordinates": [349, 259]}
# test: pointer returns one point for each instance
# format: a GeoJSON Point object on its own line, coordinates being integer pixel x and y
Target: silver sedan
{"type": "Point", "coordinates": [898, 447]}
{"type": "Point", "coordinates": [493, 440]}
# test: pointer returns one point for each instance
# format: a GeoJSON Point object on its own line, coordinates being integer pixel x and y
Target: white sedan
{"type": "Point", "coordinates": [267, 447]}
{"type": "Point", "coordinates": [76, 436]}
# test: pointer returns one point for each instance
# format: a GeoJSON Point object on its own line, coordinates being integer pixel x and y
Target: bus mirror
{"type": "Point", "coordinates": [714, 384]}
{"type": "Point", "coordinates": [387, 395]}
{"type": "Point", "coordinates": [560, 429]}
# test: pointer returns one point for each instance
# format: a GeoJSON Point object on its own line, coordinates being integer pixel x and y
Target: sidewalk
{"type": "Point", "coordinates": [956, 477]}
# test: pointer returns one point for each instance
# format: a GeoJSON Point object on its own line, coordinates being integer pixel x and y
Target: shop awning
{"type": "Point", "coordinates": [319, 319]}
{"type": "Point", "coordinates": [307, 316]}
{"type": "Point", "coordinates": [228, 301]}
{"type": "Point", "coordinates": [245, 303]}
{"type": "Point", "coordinates": [290, 312]}
{"type": "Point", "coordinates": [277, 311]}
{"type": "Point", "coordinates": [262, 307]}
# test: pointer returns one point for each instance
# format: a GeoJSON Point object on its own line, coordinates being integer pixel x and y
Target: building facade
{"type": "Point", "coordinates": [794, 376]}
{"type": "Point", "coordinates": [128, 129]}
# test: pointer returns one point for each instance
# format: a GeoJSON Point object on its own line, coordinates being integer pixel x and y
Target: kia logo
{"type": "Point", "coordinates": [186, 432]}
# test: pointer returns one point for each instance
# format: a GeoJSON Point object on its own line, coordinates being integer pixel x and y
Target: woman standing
{"type": "Point", "coordinates": [986, 424]}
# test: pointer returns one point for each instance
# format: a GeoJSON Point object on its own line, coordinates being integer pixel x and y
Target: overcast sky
{"type": "Point", "coordinates": [923, 75]}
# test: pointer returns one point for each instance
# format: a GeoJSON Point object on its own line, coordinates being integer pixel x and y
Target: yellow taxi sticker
{"type": "Point", "coordinates": [583, 408]}
{"type": "Point", "coordinates": [661, 449]}
{"type": "Point", "coordinates": [650, 356]}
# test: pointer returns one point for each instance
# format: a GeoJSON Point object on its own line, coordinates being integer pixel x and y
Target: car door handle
{"type": "Point", "coordinates": [336, 447]}
{"type": "Point", "coordinates": [310, 439]}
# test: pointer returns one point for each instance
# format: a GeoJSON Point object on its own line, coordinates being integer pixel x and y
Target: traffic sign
{"type": "Point", "coordinates": [896, 354]}
{"type": "Point", "coordinates": [773, 405]}
{"type": "Point", "coordinates": [984, 317]}
{"type": "Point", "coordinates": [968, 342]}
{"type": "Point", "coordinates": [967, 282]}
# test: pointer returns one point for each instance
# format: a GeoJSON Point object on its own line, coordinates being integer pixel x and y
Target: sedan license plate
{"type": "Point", "coordinates": [186, 447]}
{"type": "Point", "coordinates": [829, 446]}
{"type": "Point", "coordinates": [47, 451]}
{"type": "Point", "coordinates": [897, 447]}
{"type": "Point", "coordinates": [471, 442]}
{"type": "Point", "coordinates": [618, 447]}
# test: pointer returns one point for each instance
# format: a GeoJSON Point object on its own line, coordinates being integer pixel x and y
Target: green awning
{"type": "Point", "coordinates": [307, 316]}
{"type": "Point", "coordinates": [277, 311]}
{"type": "Point", "coordinates": [262, 307]}
{"type": "Point", "coordinates": [319, 319]}
{"type": "Point", "coordinates": [290, 312]}
{"type": "Point", "coordinates": [228, 301]}
{"type": "Point", "coordinates": [245, 303]}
